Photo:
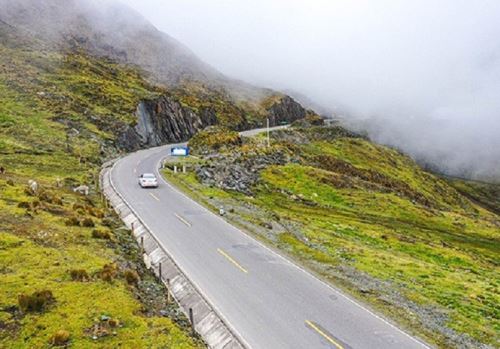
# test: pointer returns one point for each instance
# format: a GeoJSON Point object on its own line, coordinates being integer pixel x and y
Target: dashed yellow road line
{"type": "Point", "coordinates": [324, 335]}
{"type": "Point", "coordinates": [182, 220]}
{"type": "Point", "coordinates": [154, 196]}
{"type": "Point", "coordinates": [229, 258]}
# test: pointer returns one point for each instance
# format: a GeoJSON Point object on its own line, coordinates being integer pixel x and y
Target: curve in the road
{"type": "Point", "coordinates": [267, 300]}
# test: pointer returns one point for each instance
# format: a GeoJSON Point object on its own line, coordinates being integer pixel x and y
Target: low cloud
{"type": "Point", "coordinates": [420, 75]}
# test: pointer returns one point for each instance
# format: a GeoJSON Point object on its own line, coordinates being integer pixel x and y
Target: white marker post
{"type": "Point", "coordinates": [268, 138]}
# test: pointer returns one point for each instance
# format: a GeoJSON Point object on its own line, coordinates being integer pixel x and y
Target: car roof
{"type": "Point", "coordinates": [148, 175]}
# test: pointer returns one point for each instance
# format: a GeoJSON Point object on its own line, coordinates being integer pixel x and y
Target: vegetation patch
{"type": "Point", "coordinates": [60, 338]}
{"type": "Point", "coordinates": [79, 275]}
{"type": "Point", "coordinates": [213, 139]}
{"type": "Point", "coordinates": [36, 302]}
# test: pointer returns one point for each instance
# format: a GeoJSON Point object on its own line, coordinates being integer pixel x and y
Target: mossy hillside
{"type": "Point", "coordinates": [198, 98]}
{"type": "Point", "coordinates": [38, 251]}
{"type": "Point", "coordinates": [439, 253]}
{"type": "Point", "coordinates": [76, 86]}
{"type": "Point", "coordinates": [63, 107]}
{"type": "Point", "coordinates": [58, 115]}
{"type": "Point", "coordinates": [103, 90]}
{"type": "Point", "coordinates": [381, 165]}
{"type": "Point", "coordinates": [485, 194]}
{"type": "Point", "coordinates": [233, 114]}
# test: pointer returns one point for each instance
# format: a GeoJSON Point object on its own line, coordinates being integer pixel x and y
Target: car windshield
{"type": "Point", "coordinates": [148, 175]}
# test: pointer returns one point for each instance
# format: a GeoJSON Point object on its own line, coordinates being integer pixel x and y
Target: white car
{"type": "Point", "coordinates": [148, 180]}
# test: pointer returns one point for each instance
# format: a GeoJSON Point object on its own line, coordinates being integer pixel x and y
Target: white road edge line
{"type": "Point", "coordinates": [290, 262]}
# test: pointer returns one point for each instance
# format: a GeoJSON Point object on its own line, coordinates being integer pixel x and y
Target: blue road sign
{"type": "Point", "coordinates": [179, 151]}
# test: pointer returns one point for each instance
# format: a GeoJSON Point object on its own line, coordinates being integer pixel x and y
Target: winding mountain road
{"type": "Point", "coordinates": [266, 300]}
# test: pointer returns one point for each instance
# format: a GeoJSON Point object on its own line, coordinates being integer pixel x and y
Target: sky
{"type": "Point", "coordinates": [423, 76]}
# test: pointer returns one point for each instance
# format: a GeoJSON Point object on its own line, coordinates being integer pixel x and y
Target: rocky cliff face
{"type": "Point", "coordinates": [286, 110]}
{"type": "Point", "coordinates": [164, 121]}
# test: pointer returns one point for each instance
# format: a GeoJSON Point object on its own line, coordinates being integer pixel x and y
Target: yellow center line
{"type": "Point", "coordinates": [182, 220]}
{"type": "Point", "coordinates": [154, 196]}
{"type": "Point", "coordinates": [324, 335]}
{"type": "Point", "coordinates": [229, 258]}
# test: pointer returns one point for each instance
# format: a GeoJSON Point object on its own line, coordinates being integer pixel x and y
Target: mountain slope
{"type": "Point", "coordinates": [56, 118]}
{"type": "Point", "coordinates": [110, 29]}
{"type": "Point", "coordinates": [107, 29]}
{"type": "Point", "coordinates": [365, 217]}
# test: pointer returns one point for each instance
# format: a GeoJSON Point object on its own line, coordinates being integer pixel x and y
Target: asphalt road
{"type": "Point", "coordinates": [266, 300]}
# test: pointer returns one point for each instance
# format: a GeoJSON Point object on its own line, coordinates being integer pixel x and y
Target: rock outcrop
{"type": "Point", "coordinates": [237, 171]}
{"type": "Point", "coordinates": [166, 120]}
{"type": "Point", "coordinates": [287, 110]}
{"type": "Point", "coordinates": [162, 121]}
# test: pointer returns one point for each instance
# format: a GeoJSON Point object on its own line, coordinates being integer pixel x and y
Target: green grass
{"type": "Point", "coordinates": [484, 194]}
{"type": "Point", "coordinates": [37, 251]}
{"type": "Point", "coordinates": [430, 243]}
{"type": "Point", "coordinates": [59, 114]}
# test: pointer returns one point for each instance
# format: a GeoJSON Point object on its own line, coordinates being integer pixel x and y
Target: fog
{"type": "Point", "coordinates": [423, 76]}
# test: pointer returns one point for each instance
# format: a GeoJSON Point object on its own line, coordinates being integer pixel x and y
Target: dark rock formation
{"type": "Point", "coordinates": [285, 111]}
{"type": "Point", "coordinates": [238, 171]}
{"type": "Point", "coordinates": [164, 121]}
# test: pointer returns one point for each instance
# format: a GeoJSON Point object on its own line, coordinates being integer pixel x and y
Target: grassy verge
{"type": "Point", "coordinates": [73, 247]}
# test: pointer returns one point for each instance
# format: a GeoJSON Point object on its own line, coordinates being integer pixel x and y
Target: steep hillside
{"type": "Point", "coordinates": [485, 194]}
{"type": "Point", "coordinates": [70, 274]}
{"type": "Point", "coordinates": [365, 217]}
{"type": "Point", "coordinates": [107, 29]}
{"type": "Point", "coordinates": [113, 30]}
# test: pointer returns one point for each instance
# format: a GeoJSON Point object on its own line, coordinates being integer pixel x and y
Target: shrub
{"type": "Point", "coordinates": [60, 338]}
{"type": "Point", "coordinates": [113, 323]}
{"type": "Point", "coordinates": [88, 223]}
{"type": "Point", "coordinates": [309, 120]}
{"type": "Point", "coordinates": [10, 182]}
{"type": "Point", "coordinates": [79, 275]}
{"type": "Point", "coordinates": [108, 272]}
{"type": "Point", "coordinates": [97, 213]}
{"type": "Point", "coordinates": [101, 234]}
{"type": "Point", "coordinates": [131, 277]}
{"type": "Point", "coordinates": [72, 221]}
{"type": "Point", "coordinates": [94, 211]}
{"type": "Point", "coordinates": [24, 204]}
{"type": "Point", "coordinates": [109, 222]}
{"type": "Point", "coordinates": [57, 201]}
{"type": "Point", "coordinates": [77, 207]}
{"type": "Point", "coordinates": [45, 196]}
{"type": "Point", "coordinates": [36, 302]}
{"type": "Point", "coordinates": [212, 139]}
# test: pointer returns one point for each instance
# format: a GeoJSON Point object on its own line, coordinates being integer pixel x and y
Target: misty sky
{"type": "Point", "coordinates": [429, 68]}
